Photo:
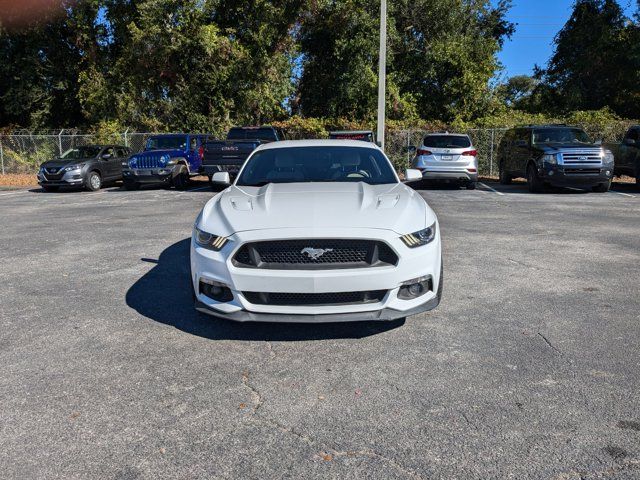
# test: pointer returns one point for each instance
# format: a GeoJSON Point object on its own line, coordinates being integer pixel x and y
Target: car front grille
{"type": "Point", "coordinates": [315, 254]}
{"type": "Point", "coordinates": [53, 173]}
{"type": "Point", "coordinates": [315, 299]}
{"type": "Point", "coordinates": [582, 157]}
{"type": "Point", "coordinates": [146, 161]}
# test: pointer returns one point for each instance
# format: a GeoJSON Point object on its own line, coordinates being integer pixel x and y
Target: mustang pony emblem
{"type": "Point", "coordinates": [315, 253]}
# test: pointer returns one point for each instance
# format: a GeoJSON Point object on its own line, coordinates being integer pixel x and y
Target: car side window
{"type": "Point", "coordinates": [109, 151]}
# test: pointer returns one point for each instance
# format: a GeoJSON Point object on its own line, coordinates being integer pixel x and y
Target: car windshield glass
{"type": "Point", "coordinates": [560, 135]}
{"type": "Point", "coordinates": [81, 152]}
{"type": "Point", "coordinates": [317, 164]}
{"type": "Point", "coordinates": [167, 143]}
{"type": "Point", "coordinates": [447, 141]}
{"type": "Point", "coordinates": [251, 133]}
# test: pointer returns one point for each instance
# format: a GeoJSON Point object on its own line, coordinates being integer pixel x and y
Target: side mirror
{"type": "Point", "coordinates": [412, 175]}
{"type": "Point", "coordinates": [106, 156]}
{"type": "Point", "coordinates": [222, 178]}
{"type": "Point", "coordinates": [411, 149]}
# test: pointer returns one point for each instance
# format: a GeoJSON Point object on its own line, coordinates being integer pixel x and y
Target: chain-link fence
{"type": "Point", "coordinates": [24, 152]}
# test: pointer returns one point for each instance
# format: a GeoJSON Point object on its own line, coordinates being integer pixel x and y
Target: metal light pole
{"type": "Point", "coordinates": [382, 72]}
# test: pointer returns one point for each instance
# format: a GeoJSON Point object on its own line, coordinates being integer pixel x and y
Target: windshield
{"type": "Point", "coordinates": [167, 143]}
{"type": "Point", "coordinates": [251, 134]}
{"type": "Point", "coordinates": [560, 135]}
{"type": "Point", "coordinates": [447, 141]}
{"type": "Point", "coordinates": [317, 164]}
{"type": "Point", "coordinates": [81, 152]}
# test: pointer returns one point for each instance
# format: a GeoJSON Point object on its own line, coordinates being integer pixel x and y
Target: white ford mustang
{"type": "Point", "coordinates": [316, 231]}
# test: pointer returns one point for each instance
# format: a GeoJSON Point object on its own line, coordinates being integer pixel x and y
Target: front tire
{"type": "Point", "coordinates": [181, 179]}
{"type": "Point", "coordinates": [94, 181]}
{"type": "Point", "coordinates": [603, 187]}
{"type": "Point", "coordinates": [534, 182]}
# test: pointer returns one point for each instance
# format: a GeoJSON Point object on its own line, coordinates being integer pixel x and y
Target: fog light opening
{"type": "Point", "coordinates": [215, 290]}
{"type": "Point", "coordinates": [415, 288]}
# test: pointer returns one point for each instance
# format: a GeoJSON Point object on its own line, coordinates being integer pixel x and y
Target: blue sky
{"type": "Point", "coordinates": [538, 22]}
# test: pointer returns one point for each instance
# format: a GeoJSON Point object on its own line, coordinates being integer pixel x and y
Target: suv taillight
{"type": "Point", "coordinates": [470, 153]}
{"type": "Point", "coordinates": [201, 152]}
{"type": "Point", "coordinates": [421, 151]}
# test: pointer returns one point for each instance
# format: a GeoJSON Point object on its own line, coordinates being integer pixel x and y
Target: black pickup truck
{"type": "Point", "coordinates": [627, 154]}
{"type": "Point", "coordinates": [229, 155]}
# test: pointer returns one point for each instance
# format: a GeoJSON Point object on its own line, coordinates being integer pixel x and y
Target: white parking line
{"type": "Point", "coordinates": [623, 194]}
{"type": "Point", "coordinates": [492, 189]}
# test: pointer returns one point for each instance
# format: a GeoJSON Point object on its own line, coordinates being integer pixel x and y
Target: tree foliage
{"type": "Point", "coordinates": [206, 64]}
{"type": "Point", "coordinates": [596, 62]}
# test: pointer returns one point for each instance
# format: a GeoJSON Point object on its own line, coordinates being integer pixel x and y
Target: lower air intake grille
{"type": "Point", "coordinates": [581, 171]}
{"type": "Point", "coordinates": [323, 254]}
{"type": "Point", "coordinates": [316, 299]}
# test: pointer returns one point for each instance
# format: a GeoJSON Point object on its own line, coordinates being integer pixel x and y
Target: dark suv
{"type": "Point", "coordinates": [89, 166]}
{"type": "Point", "coordinates": [554, 155]}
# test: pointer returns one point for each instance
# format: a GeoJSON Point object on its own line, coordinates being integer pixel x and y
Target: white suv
{"type": "Point", "coordinates": [448, 156]}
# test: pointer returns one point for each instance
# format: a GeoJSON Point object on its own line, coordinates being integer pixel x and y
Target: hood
{"type": "Point", "coordinates": [172, 152]}
{"type": "Point", "coordinates": [61, 162]}
{"type": "Point", "coordinates": [567, 146]}
{"type": "Point", "coordinates": [316, 205]}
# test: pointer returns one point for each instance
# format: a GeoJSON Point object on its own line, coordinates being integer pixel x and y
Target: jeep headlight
{"type": "Point", "coordinates": [164, 160]}
{"type": "Point", "coordinates": [209, 240]}
{"type": "Point", "coordinates": [133, 162]}
{"type": "Point", "coordinates": [550, 159]}
{"type": "Point", "coordinates": [420, 238]}
{"type": "Point", "coordinates": [607, 157]}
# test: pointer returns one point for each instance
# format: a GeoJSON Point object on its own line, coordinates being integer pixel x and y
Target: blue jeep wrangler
{"type": "Point", "coordinates": [169, 159]}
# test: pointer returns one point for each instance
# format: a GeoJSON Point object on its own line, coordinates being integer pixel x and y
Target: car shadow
{"type": "Point", "coordinates": [164, 295]}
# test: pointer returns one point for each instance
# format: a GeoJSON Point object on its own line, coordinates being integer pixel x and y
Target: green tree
{"type": "Point", "coordinates": [590, 67]}
{"type": "Point", "coordinates": [442, 55]}
{"type": "Point", "coordinates": [517, 90]}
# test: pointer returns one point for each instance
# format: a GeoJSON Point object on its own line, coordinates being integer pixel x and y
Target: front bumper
{"type": "Point", "coordinates": [74, 178]}
{"type": "Point", "coordinates": [412, 264]}
{"type": "Point", "coordinates": [151, 175]}
{"type": "Point", "coordinates": [558, 176]}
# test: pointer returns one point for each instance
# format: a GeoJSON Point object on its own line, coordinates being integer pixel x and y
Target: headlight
{"type": "Point", "coordinates": [608, 157]}
{"type": "Point", "coordinates": [420, 238]}
{"type": "Point", "coordinates": [209, 240]}
{"type": "Point", "coordinates": [73, 167]}
{"type": "Point", "coordinates": [164, 159]}
{"type": "Point", "coordinates": [133, 162]}
{"type": "Point", "coordinates": [550, 159]}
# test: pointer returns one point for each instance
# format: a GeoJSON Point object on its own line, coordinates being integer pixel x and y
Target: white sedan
{"type": "Point", "coordinates": [316, 231]}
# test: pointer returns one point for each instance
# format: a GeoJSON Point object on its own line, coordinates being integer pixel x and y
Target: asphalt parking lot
{"type": "Point", "coordinates": [529, 368]}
